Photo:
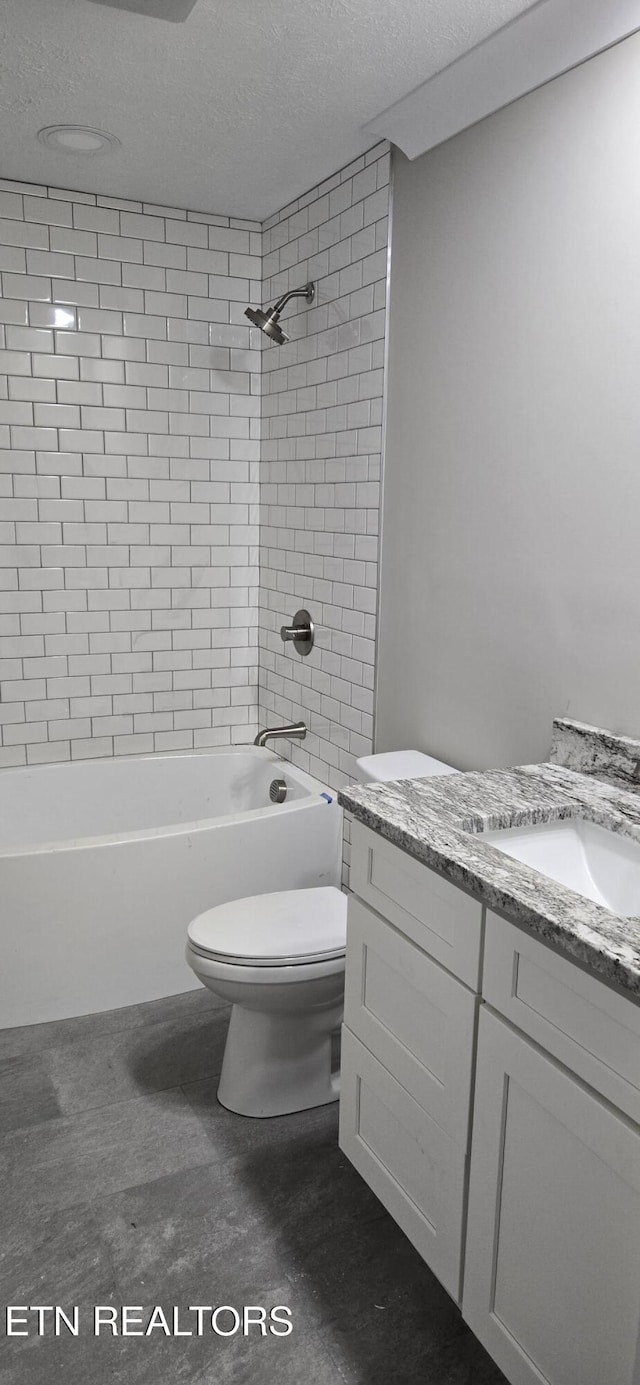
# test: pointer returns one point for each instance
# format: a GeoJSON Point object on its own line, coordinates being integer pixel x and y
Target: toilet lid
{"type": "Point", "coordinates": [400, 764]}
{"type": "Point", "coordinates": [287, 927]}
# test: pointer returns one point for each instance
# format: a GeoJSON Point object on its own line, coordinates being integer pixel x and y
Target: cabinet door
{"type": "Point", "coordinates": [408, 1160]}
{"type": "Point", "coordinates": [552, 1271]}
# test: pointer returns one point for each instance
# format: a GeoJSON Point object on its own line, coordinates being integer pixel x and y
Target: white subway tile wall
{"type": "Point", "coordinates": [129, 450]}
{"type": "Point", "coordinates": [320, 463]}
{"type": "Point", "coordinates": [172, 488]}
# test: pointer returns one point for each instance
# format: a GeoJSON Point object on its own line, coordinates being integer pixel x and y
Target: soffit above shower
{"type": "Point", "coordinates": [543, 43]}
{"type": "Point", "coordinates": [236, 106]}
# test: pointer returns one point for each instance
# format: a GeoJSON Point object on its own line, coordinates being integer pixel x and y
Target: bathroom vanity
{"type": "Point", "coordinates": [491, 1064]}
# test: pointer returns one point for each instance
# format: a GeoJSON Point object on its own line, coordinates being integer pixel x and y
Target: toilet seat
{"type": "Point", "coordinates": [266, 977]}
{"type": "Point", "coordinates": [292, 928]}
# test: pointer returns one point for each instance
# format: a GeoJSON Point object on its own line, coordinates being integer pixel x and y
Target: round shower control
{"type": "Point", "coordinates": [300, 631]}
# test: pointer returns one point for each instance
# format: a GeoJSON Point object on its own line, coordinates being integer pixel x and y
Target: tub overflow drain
{"type": "Point", "coordinates": [278, 790]}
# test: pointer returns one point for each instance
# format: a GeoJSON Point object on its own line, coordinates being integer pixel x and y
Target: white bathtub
{"type": "Point", "coordinates": [103, 864]}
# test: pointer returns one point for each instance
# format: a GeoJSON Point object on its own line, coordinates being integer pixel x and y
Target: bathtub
{"type": "Point", "coordinates": [103, 864]}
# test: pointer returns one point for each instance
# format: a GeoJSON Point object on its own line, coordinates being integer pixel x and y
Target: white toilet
{"type": "Point", "coordinates": [279, 959]}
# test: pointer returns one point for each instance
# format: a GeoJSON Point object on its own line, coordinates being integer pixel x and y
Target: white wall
{"type": "Point", "coordinates": [511, 554]}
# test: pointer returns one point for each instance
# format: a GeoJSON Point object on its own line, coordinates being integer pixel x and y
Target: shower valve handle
{"type": "Point", "coordinates": [301, 632]}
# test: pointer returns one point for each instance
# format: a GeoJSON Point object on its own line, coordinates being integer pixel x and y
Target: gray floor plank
{"type": "Point", "coordinates": [97, 1069]}
{"type": "Point", "coordinates": [78, 1158]}
{"type": "Point", "coordinates": [29, 1038]}
{"type": "Point", "coordinates": [27, 1093]}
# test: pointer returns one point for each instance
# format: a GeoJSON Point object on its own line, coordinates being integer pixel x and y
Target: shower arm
{"type": "Point", "coordinates": [307, 291]}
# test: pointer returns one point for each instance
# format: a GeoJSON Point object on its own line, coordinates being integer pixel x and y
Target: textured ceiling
{"type": "Point", "coordinates": [238, 110]}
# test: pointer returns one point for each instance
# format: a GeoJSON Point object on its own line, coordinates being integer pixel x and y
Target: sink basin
{"type": "Point", "coordinates": [599, 864]}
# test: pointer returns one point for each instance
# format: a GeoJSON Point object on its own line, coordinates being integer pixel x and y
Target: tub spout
{"type": "Point", "coordinates": [297, 730]}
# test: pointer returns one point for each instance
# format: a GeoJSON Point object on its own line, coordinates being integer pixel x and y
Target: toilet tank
{"type": "Point", "coordinates": [399, 764]}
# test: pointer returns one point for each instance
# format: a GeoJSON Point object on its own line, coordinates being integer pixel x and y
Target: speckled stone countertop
{"type": "Point", "coordinates": [440, 821]}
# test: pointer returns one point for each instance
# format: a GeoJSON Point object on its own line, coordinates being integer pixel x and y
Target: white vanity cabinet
{"type": "Point", "coordinates": [408, 1042]}
{"type": "Point", "coordinates": [552, 1268]}
{"type": "Point", "coordinates": [491, 1098]}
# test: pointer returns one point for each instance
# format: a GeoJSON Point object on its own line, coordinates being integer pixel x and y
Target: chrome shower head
{"type": "Point", "coordinates": [269, 321]}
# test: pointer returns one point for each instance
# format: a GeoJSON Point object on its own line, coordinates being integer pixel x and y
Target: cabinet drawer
{"type": "Point", "coordinates": [576, 1017]}
{"type": "Point", "coordinates": [437, 916]}
{"type": "Point", "coordinates": [415, 1169]}
{"type": "Point", "coordinates": [416, 1018]}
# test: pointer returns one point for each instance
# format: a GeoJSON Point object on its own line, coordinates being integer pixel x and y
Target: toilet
{"type": "Point", "coordinates": [279, 960]}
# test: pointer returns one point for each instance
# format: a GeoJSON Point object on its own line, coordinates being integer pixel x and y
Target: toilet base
{"type": "Point", "coordinates": [275, 1064]}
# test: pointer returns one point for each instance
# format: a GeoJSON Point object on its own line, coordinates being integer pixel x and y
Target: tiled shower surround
{"type": "Point", "coordinates": [321, 457]}
{"type": "Point", "coordinates": [131, 472]}
{"type": "Point", "coordinates": [129, 423]}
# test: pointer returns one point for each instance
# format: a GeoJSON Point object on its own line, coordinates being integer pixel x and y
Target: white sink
{"type": "Point", "coordinates": [597, 863]}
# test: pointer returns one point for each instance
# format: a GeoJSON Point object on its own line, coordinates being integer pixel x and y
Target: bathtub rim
{"type": "Point", "coordinates": [195, 825]}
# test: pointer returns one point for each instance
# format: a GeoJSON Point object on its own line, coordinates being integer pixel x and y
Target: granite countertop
{"type": "Point", "coordinates": [440, 822]}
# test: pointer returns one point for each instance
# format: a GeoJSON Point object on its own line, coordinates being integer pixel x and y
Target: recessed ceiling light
{"type": "Point", "coordinates": [77, 139]}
